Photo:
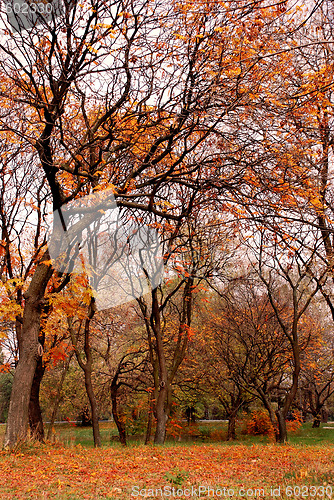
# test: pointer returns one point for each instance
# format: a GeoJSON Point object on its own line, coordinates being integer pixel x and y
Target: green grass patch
{"type": "Point", "coordinates": [202, 432]}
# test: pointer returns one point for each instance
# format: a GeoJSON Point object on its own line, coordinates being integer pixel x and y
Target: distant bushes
{"type": "Point", "coordinates": [259, 423]}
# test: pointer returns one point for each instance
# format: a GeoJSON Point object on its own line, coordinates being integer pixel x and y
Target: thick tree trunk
{"type": "Point", "coordinates": [282, 430]}
{"type": "Point", "coordinates": [161, 416]}
{"type": "Point", "coordinates": [232, 412]}
{"type": "Point", "coordinates": [231, 434]}
{"type": "Point", "coordinates": [35, 413]}
{"type": "Point", "coordinates": [161, 400]}
{"type": "Point", "coordinates": [18, 414]}
{"type": "Point", "coordinates": [17, 422]}
{"type": "Point", "coordinates": [316, 422]}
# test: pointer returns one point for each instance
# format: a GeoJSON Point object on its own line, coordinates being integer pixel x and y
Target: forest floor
{"type": "Point", "coordinates": [255, 468]}
{"type": "Point", "coordinates": [177, 471]}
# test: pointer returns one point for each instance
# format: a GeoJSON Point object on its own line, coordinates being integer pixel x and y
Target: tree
{"type": "Point", "coordinates": [193, 252]}
{"type": "Point", "coordinates": [22, 211]}
{"type": "Point", "coordinates": [276, 263]}
{"type": "Point", "coordinates": [87, 365]}
{"type": "Point", "coordinates": [245, 339]}
{"type": "Point", "coordinates": [163, 374]}
{"type": "Point", "coordinates": [317, 374]}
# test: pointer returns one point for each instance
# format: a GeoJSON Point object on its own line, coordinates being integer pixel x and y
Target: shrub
{"type": "Point", "coordinates": [218, 435]}
{"type": "Point", "coordinates": [6, 381]}
{"type": "Point", "coordinates": [295, 424]}
{"type": "Point", "coordinates": [174, 427]}
{"type": "Point", "coordinates": [260, 424]}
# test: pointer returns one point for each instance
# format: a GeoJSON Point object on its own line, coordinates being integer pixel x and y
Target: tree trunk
{"type": "Point", "coordinates": [316, 422]}
{"type": "Point", "coordinates": [162, 379]}
{"type": "Point", "coordinates": [87, 369]}
{"type": "Point", "coordinates": [232, 411]}
{"type": "Point", "coordinates": [118, 420]}
{"type": "Point", "coordinates": [18, 414]}
{"type": "Point", "coordinates": [231, 434]}
{"type": "Point", "coordinates": [162, 417]}
{"type": "Point", "coordinates": [149, 420]}
{"type": "Point", "coordinates": [93, 407]}
{"type": "Point", "coordinates": [282, 430]}
{"type": "Point", "coordinates": [272, 416]}
{"type": "Point", "coordinates": [17, 422]}
{"type": "Point", "coordinates": [324, 414]}
{"type": "Point", "coordinates": [35, 414]}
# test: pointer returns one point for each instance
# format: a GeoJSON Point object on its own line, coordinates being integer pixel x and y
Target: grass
{"type": "Point", "coordinates": [203, 432]}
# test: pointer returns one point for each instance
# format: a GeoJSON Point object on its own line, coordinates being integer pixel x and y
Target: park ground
{"type": "Point", "coordinates": [253, 467]}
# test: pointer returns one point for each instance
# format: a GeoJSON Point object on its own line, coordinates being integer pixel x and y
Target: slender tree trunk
{"type": "Point", "coordinates": [281, 413]}
{"type": "Point", "coordinates": [93, 407]}
{"type": "Point", "coordinates": [88, 378]}
{"type": "Point", "coordinates": [304, 405]}
{"type": "Point", "coordinates": [18, 414]}
{"type": "Point", "coordinates": [58, 396]}
{"type": "Point", "coordinates": [149, 419]}
{"type": "Point", "coordinates": [118, 420]}
{"type": "Point", "coordinates": [149, 427]}
{"type": "Point", "coordinates": [316, 408]}
{"type": "Point", "coordinates": [162, 379]}
{"type": "Point", "coordinates": [87, 369]}
{"type": "Point", "coordinates": [273, 417]}
{"type": "Point", "coordinates": [35, 413]}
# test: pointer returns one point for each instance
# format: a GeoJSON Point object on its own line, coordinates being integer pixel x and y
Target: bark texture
{"type": "Point", "coordinates": [35, 413]}
{"type": "Point", "coordinates": [282, 430]}
{"type": "Point", "coordinates": [231, 434]}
